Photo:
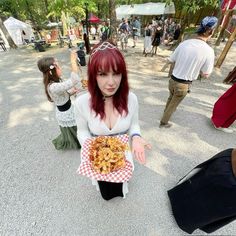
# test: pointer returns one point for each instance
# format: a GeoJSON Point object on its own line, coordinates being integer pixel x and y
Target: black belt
{"type": "Point", "coordinates": [182, 81]}
{"type": "Point", "coordinates": [65, 106]}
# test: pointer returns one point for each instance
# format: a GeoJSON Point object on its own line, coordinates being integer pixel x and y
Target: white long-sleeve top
{"type": "Point", "coordinates": [59, 93]}
{"type": "Point", "coordinates": [88, 124]}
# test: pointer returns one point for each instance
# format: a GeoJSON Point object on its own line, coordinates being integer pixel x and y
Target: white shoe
{"type": "Point", "coordinates": [226, 130]}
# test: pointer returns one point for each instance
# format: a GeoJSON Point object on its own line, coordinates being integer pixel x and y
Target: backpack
{"type": "Point", "coordinates": [81, 57]}
{"type": "Point", "coordinates": [148, 32]}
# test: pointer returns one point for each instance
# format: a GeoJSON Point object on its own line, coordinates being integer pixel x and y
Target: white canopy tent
{"type": "Point", "coordinates": [16, 28]}
{"type": "Point", "coordinates": [144, 9]}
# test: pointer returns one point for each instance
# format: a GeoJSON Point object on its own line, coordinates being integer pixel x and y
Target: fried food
{"type": "Point", "coordinates": [84, 83]}
{"type": "Point", "coordinates": [107, 154]}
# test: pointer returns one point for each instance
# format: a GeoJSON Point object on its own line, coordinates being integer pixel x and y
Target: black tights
{"type": "Point", "coordinates": [110, 190]}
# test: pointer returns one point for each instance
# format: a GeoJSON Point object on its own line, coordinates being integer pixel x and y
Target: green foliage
{"type": "Point", "coordinates": [192, 6]}
{"type": "Point", "coordinates": [24, 10]}
{"type": "Point", "coordinates": [40, 11]}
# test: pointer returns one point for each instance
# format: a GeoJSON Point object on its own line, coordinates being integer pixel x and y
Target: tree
{"type": "Point", "coordinates": [113, 24]}
{"type": "Point", "coordinates": [188, 8]}
{"type": "Point", "coordinates": [7, 35]}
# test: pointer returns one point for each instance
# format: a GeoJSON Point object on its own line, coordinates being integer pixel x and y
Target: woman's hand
{"type": "Point", "coordinates": [73, 91]}
{"type": "Point", "coordinates": [73, 60]}
{"type": "Point", "coordinates": [138, 148]}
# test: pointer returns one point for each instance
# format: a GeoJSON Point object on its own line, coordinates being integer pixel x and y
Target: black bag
{"type": "Point", "coordinates": [39, 47]}
{"type": "Point", "coordinates": [205, 197]}
{"type": "Point", "coordinates": [81, 56]}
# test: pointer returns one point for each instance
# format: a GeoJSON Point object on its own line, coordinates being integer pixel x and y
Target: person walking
{"type": "Point", "coordinates": [156, 39]}
{"type": "Point", "coordinates": [59, 92]}
{"type": "Point", "coordinates": [136, 28]}
{"type": "Point", "coordinates": [124, 34]}
{"type": "Point", "coordinates": [148, 31]}
{"type": "Point", "coordinates": [191, 58]}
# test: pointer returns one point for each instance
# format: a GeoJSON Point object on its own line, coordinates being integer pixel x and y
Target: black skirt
{"type": "Point", "coordinates": [110, 190]}
{"type": "Point", "coordinates": [207, 199]}
{"type": "Point", "coordinates": [156, 42]}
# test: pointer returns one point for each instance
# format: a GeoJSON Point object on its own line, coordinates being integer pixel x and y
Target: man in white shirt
{"type": "Point", "coordinates": [191, 58]}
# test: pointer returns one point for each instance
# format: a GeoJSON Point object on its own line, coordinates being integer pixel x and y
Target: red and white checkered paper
{"type": "Point", "coordinates": [119, 176]}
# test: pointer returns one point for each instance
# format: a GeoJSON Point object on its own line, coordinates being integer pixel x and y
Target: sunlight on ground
{"type": "Point", "coordinates": [154, 161]}
{"type": "Point", "coordinates": [21, 116]}
{"type": "Point", "coordinates": [153, 101]}
{"type": "Point", "coordinates": [26, 116]}
{"type": "Point", "coordinates": [159, 157]}
{"type": "Point", "coordinates": [21, 81]}
{"type": "Point", "coordinates": [16, 97]}
{"type": "Point", "coordinates": [223, 86]}
{"type": "Point", "coordinates": [197, 110]}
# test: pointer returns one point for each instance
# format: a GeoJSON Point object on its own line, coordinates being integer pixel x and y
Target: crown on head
{"type": "Point", "coordinates": [103, 46]}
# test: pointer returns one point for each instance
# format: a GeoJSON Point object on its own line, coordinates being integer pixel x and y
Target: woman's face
{"type": "Point", "coordinates": [108, 82]}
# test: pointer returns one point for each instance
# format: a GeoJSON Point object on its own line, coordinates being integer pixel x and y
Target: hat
{"type": "Point", "coordinates": [209, 22]}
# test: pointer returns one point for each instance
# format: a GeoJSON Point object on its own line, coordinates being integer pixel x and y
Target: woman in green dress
{"type": "Point", "coordinates": [59, 93]}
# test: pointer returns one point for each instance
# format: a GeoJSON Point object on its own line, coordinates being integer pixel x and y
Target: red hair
{"type": "Point", "coordinates": [106, 60]}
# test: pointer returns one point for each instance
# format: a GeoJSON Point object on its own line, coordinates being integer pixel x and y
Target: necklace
{"type": "Point", "coordinates": [105, 96]}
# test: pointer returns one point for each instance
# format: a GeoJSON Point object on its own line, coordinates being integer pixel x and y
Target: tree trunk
{"type": "Point", "coordinates": [46, 7]}
{"type": "Point", "coordinates": [64, 23]}
{"type": "Point", "coordinates": [226, 49]}
{"type": "Point", "coordinates": [86, 36]}
{"type": "Point", "coordinates": [198, 19]}
{"type": "Point", "coordinates": [31, 14]}
{"type": "Point", "coordinates": [7, 35]}
{"type": "Point", "coordinates": [226, 18]}
{"type": "Point", "coordinates": [113, 23]}
{"type": "Point", "coordinates": [220, 17]}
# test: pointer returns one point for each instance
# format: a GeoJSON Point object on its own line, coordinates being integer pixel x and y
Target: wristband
{"type": "Point", "coordinates": [136, 134]}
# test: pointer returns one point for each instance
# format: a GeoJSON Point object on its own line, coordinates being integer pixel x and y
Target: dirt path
{"type": "Point", "coordinates": [39, 189]}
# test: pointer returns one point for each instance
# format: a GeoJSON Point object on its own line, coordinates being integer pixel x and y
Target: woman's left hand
{"type": "Point", "coordinates": [138, 148]}
{"type": "Point", "coordinates": [74, 90]}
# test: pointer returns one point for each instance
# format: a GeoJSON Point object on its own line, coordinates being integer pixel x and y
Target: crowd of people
{"type": "Point", "coordinates": [109, 108]}
{"type": "Point", "coordinates": [158, 31]}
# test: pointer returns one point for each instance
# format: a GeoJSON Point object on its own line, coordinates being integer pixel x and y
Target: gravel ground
{"type": "Point", "coordinates": [39, 190]}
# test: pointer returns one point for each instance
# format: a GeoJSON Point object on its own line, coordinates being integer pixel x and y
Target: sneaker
{"type": "Point", "coordinates": [163, 125]}
{"type": "Point", "coordinates": [226, 130]}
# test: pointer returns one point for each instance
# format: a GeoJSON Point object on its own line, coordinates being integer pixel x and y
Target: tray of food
{"type": "Point", "coordinates": [104, 158]}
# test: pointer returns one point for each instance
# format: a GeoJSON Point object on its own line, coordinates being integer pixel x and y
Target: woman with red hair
{"type": "Point", "coordinates": [109, 109]}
